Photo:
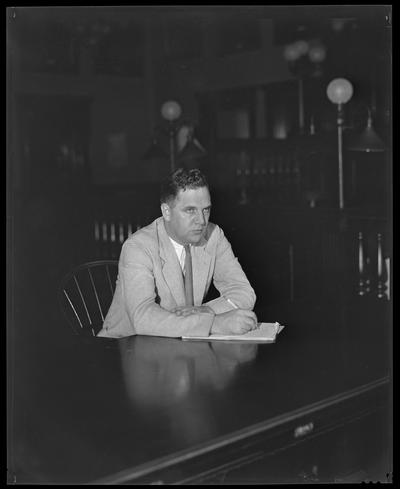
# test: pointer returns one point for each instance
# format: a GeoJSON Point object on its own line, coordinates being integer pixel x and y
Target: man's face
{"type": "Point", "coordinates": [186, 218]}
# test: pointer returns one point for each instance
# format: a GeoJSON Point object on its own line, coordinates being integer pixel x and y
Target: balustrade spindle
{"type": "Point", "coordinates": [113, 240]}
{"type": "Point", "coordinates": [264, 175]}
{"type": "Point", "coordinates": [104, 241]}
{"type": "Point", "coordinates": [104, 228]}
{"type": "Point", "coordinates": [97, 238]}
{"type": "Point", "coordinates": [382, 275]}
{"type": "Point", "coordinates": [241, 175]}
{"type": "Point", "coordinates": [363, 287]}
{"type": "Point", "coordinates": [96, 231]}
{"type": "Point", "coordinates": [272, 179]}
{"type": "Point", "coordinates": [121, 232]}
{"type": "Point", "coordinates": [387, 264]}
{"type": "Point", "coordinates": [280, 175]}
{"type": "Point", "coordinates": [112, 232]}
{"type": "Point", "coordinates": [291, 273]}
{"type": "Point", "coordinates": [263, 185]}
{"type": "Point", "coordinates": [257, 183]}
{"type": "Point", "coordinates": [297, 178]}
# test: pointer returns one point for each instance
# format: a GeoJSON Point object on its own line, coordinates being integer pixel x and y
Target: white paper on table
{"type": "Point", "coordinates": [264, 333]}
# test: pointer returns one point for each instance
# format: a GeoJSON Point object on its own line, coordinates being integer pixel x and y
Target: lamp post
{"type": "Point", "coordinates": [304, 59]}
{"type": "Point", "coordinates": [182, 142]}
{"type": "Point", "coordinates": [339, 92]}
{"type": "Point", "coordinates": [171, 111]}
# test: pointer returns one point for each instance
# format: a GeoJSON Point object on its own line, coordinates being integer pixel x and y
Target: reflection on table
{"type": "Point", "coordinates": [151, 408]}
{"type": "Point", "coordinates": [179, 376]}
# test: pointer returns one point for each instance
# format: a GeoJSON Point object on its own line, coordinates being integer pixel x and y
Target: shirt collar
{"type": "Point", "coordinates": [178, 247]}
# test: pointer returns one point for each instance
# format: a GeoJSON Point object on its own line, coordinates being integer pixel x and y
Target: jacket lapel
{"type": "Point", "coordinates": [201, 265]}
{"type": "Point", "coordinates": [170, 265]}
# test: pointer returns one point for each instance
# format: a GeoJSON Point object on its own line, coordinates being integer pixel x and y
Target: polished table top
{"type": "Point", "coordinates": [88, 408]}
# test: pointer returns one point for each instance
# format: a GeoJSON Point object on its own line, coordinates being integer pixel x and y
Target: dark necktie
{"type": "Point", "coordinates": [188, 277]}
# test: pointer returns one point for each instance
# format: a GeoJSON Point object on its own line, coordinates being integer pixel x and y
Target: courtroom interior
{"type": "Point", "coordinates": [288, 112]}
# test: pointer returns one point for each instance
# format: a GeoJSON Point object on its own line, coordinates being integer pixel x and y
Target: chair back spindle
{"type": "Point", "coordinates": [85, 294]}
{"type": "Point", "coordinates": [112, 289]}
{"type": "Point", "coordinates": [73, 308]}
{"type": "Point", "coordinates": [83, 300]}
{"type": "Point", "coordinates": [95, 293]}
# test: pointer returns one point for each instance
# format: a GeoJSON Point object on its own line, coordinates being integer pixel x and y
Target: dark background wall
{"type": "Point", "coordinates": [85, 87]}
{"type": "Point", "coordinates": [128, 61]}
{"type": "Point", "coordinates": [84, 90]}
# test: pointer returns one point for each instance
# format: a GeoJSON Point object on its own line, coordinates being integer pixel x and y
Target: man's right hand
{"type": "Point", "coordinates": [238, 321]}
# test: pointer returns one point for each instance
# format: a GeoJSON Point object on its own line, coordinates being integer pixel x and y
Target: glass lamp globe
{"type": "Point", "coordinates": [302, 47]}
{"type": "Point", "coordinates": [317, 54]}
{"type": "Point", "coordinates": [291, 52]}
{"type": "Point", "coordinates": [339, 91]}
{"type": "Point", "coordinates": [171, 110]}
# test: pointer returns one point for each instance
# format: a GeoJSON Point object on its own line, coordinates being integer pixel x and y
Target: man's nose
{"type": "Point", "coordinates": [200, 218]}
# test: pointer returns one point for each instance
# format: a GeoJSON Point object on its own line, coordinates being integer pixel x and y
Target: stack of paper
{"type": "Point", "coordinates": [264, 333]}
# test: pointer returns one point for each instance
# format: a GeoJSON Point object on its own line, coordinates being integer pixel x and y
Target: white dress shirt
{"type": "Point", "coordinates": [180, 253]}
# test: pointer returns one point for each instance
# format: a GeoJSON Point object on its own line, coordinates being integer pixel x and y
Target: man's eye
{"type": "Point", "coordinates": [190, 211]}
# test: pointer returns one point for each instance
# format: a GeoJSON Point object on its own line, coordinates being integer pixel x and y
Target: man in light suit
{"type": "Point", "coordinates": [166, 268]}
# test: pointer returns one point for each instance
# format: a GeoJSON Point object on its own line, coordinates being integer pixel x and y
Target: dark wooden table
{"type": "Point", "coordinates": [316, 405]}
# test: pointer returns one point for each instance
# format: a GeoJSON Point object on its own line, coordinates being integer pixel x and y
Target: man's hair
{"type": "Point", "coordinates": [181, 179]}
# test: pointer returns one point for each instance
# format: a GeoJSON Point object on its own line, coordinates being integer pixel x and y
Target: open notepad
{"type": "Point", "coordinates": [265, 333]}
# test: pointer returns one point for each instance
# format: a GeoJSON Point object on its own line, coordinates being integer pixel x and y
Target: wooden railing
{"type": "Point", "coordinates": [374, 267]}
{"type": "Point", "coordinates": [289, 255]}
{"type": "Point", "coordinates": [295, 255]}
{"type": "Point", "coordinates": [109, 235]}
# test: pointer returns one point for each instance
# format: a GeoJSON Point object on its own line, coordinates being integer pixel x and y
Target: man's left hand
{"type": "Point", "coordinates": [188, 310]}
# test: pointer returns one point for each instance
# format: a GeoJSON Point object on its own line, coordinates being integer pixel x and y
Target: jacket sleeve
{"type": "Point", "coordinates": [139, 297]}
{"type": "Point", "coordinates": [230, 280]}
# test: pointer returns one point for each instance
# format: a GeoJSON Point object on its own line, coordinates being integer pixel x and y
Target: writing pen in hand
{"type": "Point", "coordinates": [232, 304]}
{"type": "Point", "coordinates": [236, 307]}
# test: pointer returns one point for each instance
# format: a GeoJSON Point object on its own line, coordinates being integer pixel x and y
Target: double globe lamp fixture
{"type": "Point", "coordinates": [183, 146]}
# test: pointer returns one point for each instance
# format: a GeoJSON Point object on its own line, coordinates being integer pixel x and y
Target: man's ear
{"type": "Point", "coordinates": [166, 211]}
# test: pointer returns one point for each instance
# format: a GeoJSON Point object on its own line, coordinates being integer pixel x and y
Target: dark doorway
{"type": "Point", "coordinates": [52, 211]}
{"type": "Point", "coordinates": [54, 135]}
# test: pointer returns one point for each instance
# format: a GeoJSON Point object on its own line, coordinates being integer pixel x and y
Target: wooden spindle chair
{"type": "Point", "coordinates": [85, 295]}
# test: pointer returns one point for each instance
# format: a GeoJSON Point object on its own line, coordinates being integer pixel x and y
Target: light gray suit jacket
{"type": "Point", "coordinates": [150, 284]}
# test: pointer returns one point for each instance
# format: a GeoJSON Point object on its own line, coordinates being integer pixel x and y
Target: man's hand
{"type": "Point", "coordinates": [188, 310]}
{"type": "Point", "coordinates": [238, 321]}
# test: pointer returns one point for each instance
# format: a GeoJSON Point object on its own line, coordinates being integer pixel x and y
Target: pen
{"type": "Point", "coordinates": [236, 307]}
